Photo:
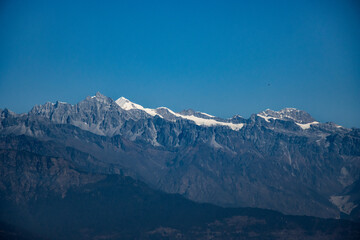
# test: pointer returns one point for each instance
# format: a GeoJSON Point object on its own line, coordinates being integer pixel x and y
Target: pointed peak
{"type": "Point", "coordinates": [100, 98]}
{"type": "Point", "coordinates": [7, 112]}
{"type": "Point", "coordinates": [123, 99]}
{"type": "Point", "coordinates": [99, 95]}
{"type": "Point", "coordinates": [126, 104]}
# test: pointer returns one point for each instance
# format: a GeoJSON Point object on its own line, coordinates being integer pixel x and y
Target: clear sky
{"type": "Point", "coordinates": [219, 57]}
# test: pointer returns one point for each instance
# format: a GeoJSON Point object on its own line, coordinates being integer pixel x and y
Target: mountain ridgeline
{"type": "Point", "coordinates": [278, 160]}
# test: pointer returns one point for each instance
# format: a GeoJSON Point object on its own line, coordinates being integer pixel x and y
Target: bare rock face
{"type": "Point", "coordinates": [281, 160]}
{"type": "Point", "coordinates": [26, 175]}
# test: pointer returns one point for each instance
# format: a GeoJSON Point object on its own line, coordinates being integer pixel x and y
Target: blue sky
{"type": "Point", "coordinates": [219, 57]}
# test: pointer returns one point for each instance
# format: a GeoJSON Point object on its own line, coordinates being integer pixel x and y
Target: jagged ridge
{"type": "Point", "coordinates": [272, 161]}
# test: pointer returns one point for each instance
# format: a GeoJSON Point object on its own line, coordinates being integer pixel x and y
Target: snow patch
{"type": "Point", "coordinates": [304, 126]}
{"type": "Point", "coordinates": [205, 122]}
{"type": "Point", "coordinates": [215, 144]}
{"type": "Point", "coordinates": [307, 125]}
{"type": "Point", "coordinates": [345, 177]}
{"type": "Point", "coordinates": [343, 204]}
{"type": "Point", "coordinates": [266, 118]}
{"type": "Point", "coordinates": [211, 122]}
{"type": "Point", "coordinates": [208, 115]}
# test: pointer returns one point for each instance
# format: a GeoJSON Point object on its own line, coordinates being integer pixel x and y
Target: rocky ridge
{"type": "Point", "coordinates": [285, 160]}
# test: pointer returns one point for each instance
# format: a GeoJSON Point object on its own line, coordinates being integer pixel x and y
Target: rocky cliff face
{"type": "Point", "coordinates": [283, 160]}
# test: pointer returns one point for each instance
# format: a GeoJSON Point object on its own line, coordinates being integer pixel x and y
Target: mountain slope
{"type": "Point", "coordinates": [283, 160]}
{"type": "Point", "coordinates": [50, 198]}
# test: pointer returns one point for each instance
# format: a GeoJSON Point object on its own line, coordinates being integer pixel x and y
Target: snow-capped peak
{"type": "Point", "coordinates": [163, 112]}
{"type": "Point", "coordinates": [128, 105]}
{"type": "Point", "coordinates": [294, 114]}
{"type": "Point", "coordinates": [301, 118]}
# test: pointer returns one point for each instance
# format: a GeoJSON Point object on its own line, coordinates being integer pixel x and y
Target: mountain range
{"type": "Point", "coordinates": [284, 161]}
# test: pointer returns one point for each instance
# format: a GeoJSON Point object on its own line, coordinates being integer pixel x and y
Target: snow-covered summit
{"type": "Point", "coordinates": [128, 105]}
{"type": "Point", "coordinates": [301, 118]}
{"type": "Point", "coordinates": [201, 119]}
{"type": "Point", "coordinates": [294, 114]}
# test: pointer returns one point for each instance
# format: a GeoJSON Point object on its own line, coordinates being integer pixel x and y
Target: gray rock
{"type": "Point", "coordinates": [268, 163]}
